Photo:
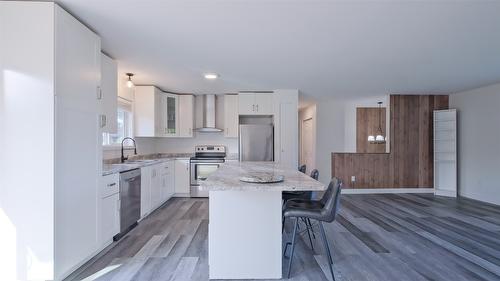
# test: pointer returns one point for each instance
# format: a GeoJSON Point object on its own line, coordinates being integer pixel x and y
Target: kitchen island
{"type": "Point", "coordinates": [244, 236]}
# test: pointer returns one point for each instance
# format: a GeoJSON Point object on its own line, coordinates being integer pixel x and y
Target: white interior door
{"type": "Point", "coordinates": [307, 144]}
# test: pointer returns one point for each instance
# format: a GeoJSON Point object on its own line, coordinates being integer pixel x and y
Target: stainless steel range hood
{"type": "Point", "coordinates": [209, 115]}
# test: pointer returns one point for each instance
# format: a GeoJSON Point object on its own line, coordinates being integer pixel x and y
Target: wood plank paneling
{"type": "Point", "coordinates": [410, 161]}
{"type": "Point", "coordinates": [367, 124]}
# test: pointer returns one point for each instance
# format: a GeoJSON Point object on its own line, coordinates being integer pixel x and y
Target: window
{"type": "Point", "coordinates": [124, 124]}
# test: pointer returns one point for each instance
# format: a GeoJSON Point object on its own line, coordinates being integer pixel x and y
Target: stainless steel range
{"type": "Point", "coordinates": [207, 159]}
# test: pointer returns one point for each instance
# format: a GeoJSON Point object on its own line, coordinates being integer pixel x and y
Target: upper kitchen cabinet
{"type": "Point", "coordinates": [231, 116]}
{"type": "Point", "coordinates": [148, 112]}
{"type": "Point", "coordinates": [160, 114]}
{"type": "Point", "coordinates": [186, 116]}
{"type": "Point", "coordinates": [170, 116]}
{"type": "Point", "coordinates": [109, 90]}
{"type": "Point", "coordinates": [255, 103]}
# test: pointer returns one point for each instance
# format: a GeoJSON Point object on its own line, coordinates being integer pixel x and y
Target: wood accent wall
{"type": "Point", "coordinates": [367, 124]}
{"type": "Point", "coordinates": [410, 161]}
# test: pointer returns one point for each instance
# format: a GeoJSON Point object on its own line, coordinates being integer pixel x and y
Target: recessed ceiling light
{"type": "Point", "coordinates": [211, 76]}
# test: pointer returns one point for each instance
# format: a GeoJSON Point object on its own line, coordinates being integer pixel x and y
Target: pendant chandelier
{"type": "Point", "coordinates": [379, 138]}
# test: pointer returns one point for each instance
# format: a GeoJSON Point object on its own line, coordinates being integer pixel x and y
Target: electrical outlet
{"type": "Point", "coordinates": [353, 178]}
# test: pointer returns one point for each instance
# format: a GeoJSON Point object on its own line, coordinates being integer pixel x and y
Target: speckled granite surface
{"type": "Point", "coordinates": [113, 166]}
{"type": "Point", "coordinates": [228, 175]}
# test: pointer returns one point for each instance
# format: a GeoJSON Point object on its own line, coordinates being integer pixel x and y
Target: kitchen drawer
{"type": "Point", "coordinates": [110, 185]}
{"type": "Point", "coordinates": [167, 168]}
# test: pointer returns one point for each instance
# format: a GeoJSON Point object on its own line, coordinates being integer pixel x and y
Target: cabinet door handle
{"type": "Point", "coordinates": [103, 121]}
{"type": "Point", "coordinates": [253, 107]}
{"type": "Point", "coordinates": [111, 184]}
{"type": "Point", "coordinates": [99, 93]}
{"type": "Point", "coordinates": [257, 108]}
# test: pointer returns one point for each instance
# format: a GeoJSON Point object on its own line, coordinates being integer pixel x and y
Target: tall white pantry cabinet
{"type": "Point", "coordinates": [49, 139]}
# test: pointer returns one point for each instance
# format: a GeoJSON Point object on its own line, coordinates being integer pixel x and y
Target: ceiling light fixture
{"type": "Point", "coordinates": [130, 84]}
{"type": "Point", "coordinates": [379, 138]}
{"type": "Point", "coordinates": [211, 76]}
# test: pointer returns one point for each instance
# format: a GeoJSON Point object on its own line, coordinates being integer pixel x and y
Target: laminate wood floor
{"type": "Point", "coordinates": [375, 237]}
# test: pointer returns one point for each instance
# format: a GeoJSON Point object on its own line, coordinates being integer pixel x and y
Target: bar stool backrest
{"type": "Point", "coordinates": [331, 200]}
{"type": "Point", "coordinates": [302, 168]}
{"type": "Point", "coordinates": [315, 174]}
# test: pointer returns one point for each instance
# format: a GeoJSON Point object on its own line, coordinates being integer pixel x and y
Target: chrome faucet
{"type": "Point", "coordinates": [123, 158]}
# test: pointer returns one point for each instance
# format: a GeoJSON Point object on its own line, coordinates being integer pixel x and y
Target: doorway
{"type": "Point", "coordinates": [307, 144]}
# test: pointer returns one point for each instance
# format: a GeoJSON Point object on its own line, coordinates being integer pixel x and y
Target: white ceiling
{"type": "Point", "coordinates": [323, 48]}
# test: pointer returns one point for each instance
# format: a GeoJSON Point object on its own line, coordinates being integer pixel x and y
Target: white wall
{"type": "Point", "coordinates": [26, 140]}
{"type": "Point", "coordinates": [330, 135]}
{"type": "Point", "coordinates": [478, 139]}
{"type": "Point", "coordinates": [186, 145]}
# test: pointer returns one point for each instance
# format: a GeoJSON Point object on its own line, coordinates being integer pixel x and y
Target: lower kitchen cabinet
{"type": "Point", "coordinates": [182, 177]}
{"type": "Point", "coordinates": [109, 218]}
{"type": "Point", "coordinates": [167, 180]}
{"type": "Point", "coordinates": [157, 185]}
{"type": "Point", "coordinates": [145, 191]}
{"type": "Point", "coordinates": [156, 199]}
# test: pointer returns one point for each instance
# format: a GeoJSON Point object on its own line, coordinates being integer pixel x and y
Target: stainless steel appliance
{"type": "Point", "coordinates": [209, 109]}
{"type": "Point", "coordinates": [206, 160]}
{"type": "Point", "coordinates": [256, 142]}
{"type": "Point", "coordinates": [130, 201]}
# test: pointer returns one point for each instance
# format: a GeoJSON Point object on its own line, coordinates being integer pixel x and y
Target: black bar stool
{"type": "Point", "coordinates": [302, 168]}
{"type": "Point", "coordinates": [306, 195]}
{"type": "Point", "coordinates": [323, 210]}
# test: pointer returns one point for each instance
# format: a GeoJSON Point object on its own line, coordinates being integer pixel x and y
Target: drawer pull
{"type": "Point", "coordinates": [111, 184]}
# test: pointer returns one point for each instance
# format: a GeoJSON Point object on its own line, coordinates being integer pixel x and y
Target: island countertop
{"type": "Point", "coordinates": [227, 177]}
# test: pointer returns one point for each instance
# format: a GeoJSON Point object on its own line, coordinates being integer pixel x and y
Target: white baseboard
{"type": "Point", "coordinates": [386, 190]}
{"type": "Point", "coordinates": [181, 195]}
{"type": "Point", "coordinates": [448, 193]}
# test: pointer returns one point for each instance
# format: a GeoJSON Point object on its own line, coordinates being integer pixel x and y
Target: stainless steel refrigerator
{"type": "Point", "coordinates": [256, 142]}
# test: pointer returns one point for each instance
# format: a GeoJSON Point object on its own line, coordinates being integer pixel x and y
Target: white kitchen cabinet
{"type": "Point", "coordinates": [110, 218]}
{"type": "Point", "coordinates": [147, 112]}
{"type": "Point", "coordinates": [231, 118]}
{"type": "Point", "coordinates": [264, 103]}
{"type": "Point", "coordinates": [145, 191]}
{"type": "Point", "coordinates": [50, 80]}
{"type": "Point", "coordinates": [167, 175]}
{"type": "Point", "coordinates": [109, 209]}
{"type": "Point", "coordinates": [109, 94]}
{"type": "Point", "coordinates": [182, 175]}
{"type": "Point", "coordinates": [160, 114]}
{"type": "Point", "coordinates": [255, 104]}
{"type": "Point", "coordinates": [186, 116]}
{"type": "Point", "coordinates": [286, 128]}
{"type": "Point", "coordinates": [170, 115]}
{"type": "Point", "coordinates": [246, 103]}
{"type": "Point", "coordinates": [156, 198]}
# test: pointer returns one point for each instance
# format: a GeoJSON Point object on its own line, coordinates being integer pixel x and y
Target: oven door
{"type": "Point", "coordinates": [200, 171]}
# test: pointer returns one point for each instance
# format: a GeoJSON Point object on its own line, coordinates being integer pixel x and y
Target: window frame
{"type": "Point", "coordinates": [125, 106]}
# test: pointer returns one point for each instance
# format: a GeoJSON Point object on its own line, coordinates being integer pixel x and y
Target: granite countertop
{"type": "Point", "coordinates": [227, 177]}
{"type": "Point", "coordinates": [113, 166]}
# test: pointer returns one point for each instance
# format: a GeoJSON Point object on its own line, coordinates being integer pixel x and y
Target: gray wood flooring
{"type": "Point", "coordinates": [375, 237]}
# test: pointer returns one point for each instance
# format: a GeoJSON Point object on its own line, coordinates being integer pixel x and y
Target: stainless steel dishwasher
{"type": "Point", "coordinates": [130, 201]}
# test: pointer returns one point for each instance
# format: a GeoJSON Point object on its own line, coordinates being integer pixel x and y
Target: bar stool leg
{"type": "Point", "coordinates": [308, 232]}
{"type": "Point", "coordinates": [293, 245]}
{"type": "Point", "coordinates": [311, 226]}
{"type": "Point", "coordinates": [327, 248]}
